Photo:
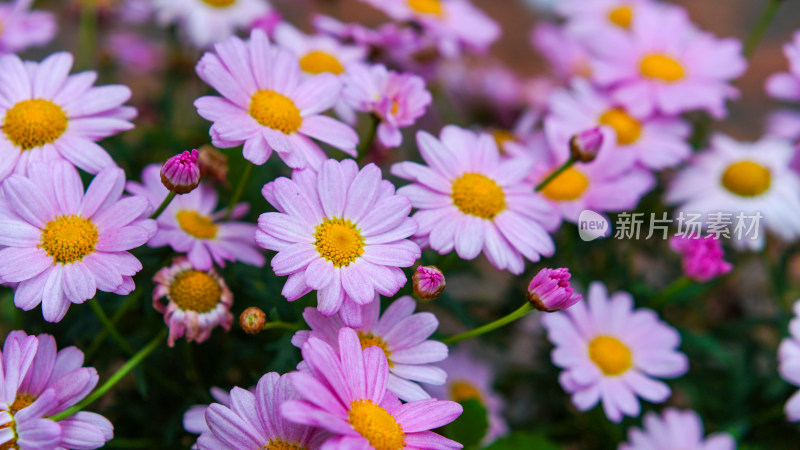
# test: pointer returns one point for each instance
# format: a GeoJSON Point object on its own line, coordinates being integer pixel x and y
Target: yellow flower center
{"type": "Point", "coordinates": [277, 444]}
{"type": "Point", "coordinates": [33, 123]}
{"type": "Point", "coordinates": [275, 111]}
{"type": "Point", "coordinates": [501, 137]}
{"type": "Point", "coordinates": [219, 3]}
{"type": "Point", "coordinates": [661, 67]}
{"type": "Point", "coordinates": [463, 390]}
{"type": "Point", "coordinates": [368, 340]}
{"type": "Point", "coordinates": [478, 195]}
{"type": "Point", "coordinates": [627, 128]}
{"type": "Point", "coordinates": [621, 16]}
{"type": "Point", "coordinates": [377, 425]}
{"type": "Point", "coordinates": [567, 186]}
{"type": "Point", "coordinates": [201, 227]}
{"type": "Point", "coordinates": [339, 241]}
{"type": "Point", "coordinates": [317, 62]}
{"type": "Point", "coordinates": [611, 356]}
{"type": "Point", "coordinates": [194, 290]}
{"type": "Point", "coordinates": [21, 402]}
{"type": "Point", "coordinates": [747, 178]}
{"type": "Point", "coordinates": [67, 239]}
{"type": "Point", "coordinates": [432, 7]}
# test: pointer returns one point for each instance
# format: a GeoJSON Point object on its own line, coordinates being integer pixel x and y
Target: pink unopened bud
{"type": "Point", "coordinates": [703, 258]}
{"type": "Point", "coordinates": [180, 174]}
{"type": "Point", "coordinates": [585, 145]}
{"type": "Point", "coordinates": [428, 282]}
{"type": "Point", "coordinates": [550, 290]}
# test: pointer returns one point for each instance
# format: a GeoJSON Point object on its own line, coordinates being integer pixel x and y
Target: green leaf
{"type": "Point", "coordinates": [471, 426]}
{"type": "Point", "coordinates": [520, 439]}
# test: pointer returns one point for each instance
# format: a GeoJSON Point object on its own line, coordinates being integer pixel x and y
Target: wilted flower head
{"type": "Point", "coordinates": [702, 256]}
{"type": "Point", "coordinates": [428, 281]}
{"type": "Point", "coordinates": [252, 320]}
{"type": "Point", "coordinates": [584, 146]}
{"type": "Point", "coordinates": [213, 164]}
{"type": "Point", "coordinates": [550, 290]}
{"type": "Point", "coordinates": [181, 174]}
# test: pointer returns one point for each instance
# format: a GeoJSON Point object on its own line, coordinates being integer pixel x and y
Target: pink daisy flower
{"type": "Point", "coordinates": [470, 199]}
{"type": "Point", "coordinates": [789, 364]}
{"type": "Point", "coordinates": [206, 22]}
{"type": "Point", "coordinates": [346, 394]}
{"type": "Point", "coordinates": [252, 420]}
{"type": "Point", "coordinates": [266, 106]}
{"type": "Point", "coordinates": [469, 378]}
{"type": "Point", "coordinates": [21, 28]}
{"type": "Point", "coordinates": [566, 56]}
{"type": "Point", "coordinates": [675, 429]}
{"type": "Point", "coordinates": [194, 419]}
{"type": "Point", "coordinates": [784, 123]}
{"type": "Point", "coordinates": [197, 301]}
{"type": "Point", "coordinates": [396, 99]}
{"type": "Point", "coordinates": [40, 381]}
{"type": "Point", "coordinates": [342, 232]}
{"type": "Point", "coordinates": [401, 334]}
{"type": "Point", "coordinates": [612, 353]}
{"type": "Point", "coordinates": [190, 225]}
{"type": "Point", "coordinates": [47, 114]}
{"type": "Point", "coordinates": [654, 142]}
{"type": "Point", "coordinates": [666, 65]}
{"type": "Point", "coordinates": [702, 257]}
{"type": "Point", "coordinates": [598, 16]}
{"type": "Point", "coordinates": [786, 85]}
{"type": "Point", "coordinates": [450, 24]}
{"type": "Point", "coordinates": [62, 245]}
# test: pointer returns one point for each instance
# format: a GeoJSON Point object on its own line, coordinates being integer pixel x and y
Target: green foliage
{"type": "Point", "coordinates": [471, 426]}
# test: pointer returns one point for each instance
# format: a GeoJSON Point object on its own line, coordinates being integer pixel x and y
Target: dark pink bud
{"type": "Point", "coordinates": [550, 290]}
{"type": "Point", "coordinates": [181, 174]}
{"type": "Point", "coordinates": [428, 282]}
{"type": "Point", "coordinates": [703, 258]}
{"type": "Point", "coordinates": [585, 145]}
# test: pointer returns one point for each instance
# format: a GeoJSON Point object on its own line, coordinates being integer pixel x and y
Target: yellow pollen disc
{"type": "Point", "coordinates": [275, 111]}
{"type": "Point", "coordinates": [432, 7]}
{"type": "Point", "coordinates": [501, 137]}
{"type": "Point", "coordinates": [33, 123]}
{"type": "Point", "coordinates": [462, 390]}
{"type": "Point", "coordinates": [569, 185]}
{"type": "Point", "coordinates": [201, 227]}
{"type": "Point", "coordinates": [621, 16]}
{"type": "Point", "coordinates": [478, 195]}
{"type": "Point", "coordinates": [368, 340]}
{"type": "Point", "coordinates": [194, 290]}
{"type": "Point", "coordinates": [219, 3]}
{"type": "Point", "coordinates": [277, 444]}
{"type": "Point", "coordinates": [627, 128]}
{"type": "Point", "coordinates": [67, 239]}
{"type": "Point", "coordinates": [317, 62]}
{"type": "Point", "coordinates": [611, 356]}
{"type": "Point", "coordinates": [377, 425]}
{"type": "Point", "coordinates": [747, 178]}
{"type": "Point", "coordinates": [661, 67]}
{"type": "Point", "coordinates": [339, 241]}
{"type": "Point", "coordinates": [21, 401]}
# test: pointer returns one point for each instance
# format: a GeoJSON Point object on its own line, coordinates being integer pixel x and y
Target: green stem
{"type": "Point", "coordinates": [87, 35]}
{"type": "Point", "coordinates": [761, 26]}
{"type": "Point", "coordinates": [555, 174]}
{"type": "Point", "coordinates": [109, 326]}
{"type": "Point", "coordinates": [163, 205]}
{"type": "Point", "coordinates": [519, 313]}
{"type": "Point", "coordinates": [365, 142]}
{"type": "Point", "coordinates": [130, 300]}
{"type": "Point", "coordinates": [118, 375]}
{"type": "Point", "coordinates": [248, 171]}
{"type": "Point", "coordinates": [671, 292]}
{"type": "Point", "coordinates": [278, 325]}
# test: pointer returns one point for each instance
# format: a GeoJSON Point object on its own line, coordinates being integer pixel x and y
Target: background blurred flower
{"type": "Point", "coordinates": [206, 22]}
{"type": "Point", "coordinates": [675, 429]}
{"type": "Point", "coordinates": [702, 257]}
{"type": "Point", "coordinates": [21, 28]}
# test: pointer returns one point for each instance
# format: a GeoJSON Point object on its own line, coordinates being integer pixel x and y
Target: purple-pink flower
{"type": "Point", "coordinates": [342, 232]}
{"type": "Point", "coordinates": [190, 225]}
{"type": "Point", "coordinates": [266, 106]}
{"type": "Point", "coordinates": [400, 333]}
{"type": "Point", "coordinates": [61, 244]}
{"type": "Point", "coordinates": [21, 28]}
{"type": "Point", "coordinates": [396, 99]}
{"type": "Point", "coordinates": [786, 85]}
{"type": "Point", "coordinates": [471, 200]}
{"type": "Point", "coordinates": [181, 173]}
{"type": "Point", "coordinates": [550, 290]}
{"type": "Point", "coordinates": [789, 364]}
{"type": "Point", "coordinates": [39, 381]}
{"type": "Point", "coordinates": [346, 394]}
{"type": "Point", "coordinates": [197, 301]}
{"type": "Point", "coordinates": [48, 114]}
{"type": "Point", "coordinates": [613, 354]}
{"type": "Point", "coordinates": [194, 419]}
{"type": "Point", "coordinates": [675, 429]}
{"type": "Point", "coordinates": [702, 257]}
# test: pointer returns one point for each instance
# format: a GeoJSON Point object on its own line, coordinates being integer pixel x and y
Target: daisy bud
{"type": "Point", "coordinates": [213, 164]}
{"type": "Point", "coordinates": [550, 291]}
{"type": "Point", "coordinates": [585, 145]}
{"type": "Point", "coordinates": [703, 258]}
{"type": "Point", "coordinates": [252, 320]}
{"type": "Point", "coordinates": [428, 281]}
{"type": "Point", "coordinates": [180, 174]}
